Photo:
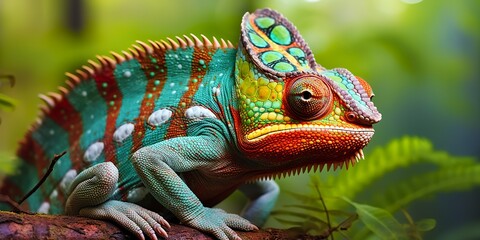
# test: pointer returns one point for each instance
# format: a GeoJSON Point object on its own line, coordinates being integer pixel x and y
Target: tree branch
{"type": "Point", "coordinates": [41, 226]}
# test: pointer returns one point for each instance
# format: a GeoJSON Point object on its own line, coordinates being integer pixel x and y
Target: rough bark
{"type": "Point", "coordinates": [41, 226]}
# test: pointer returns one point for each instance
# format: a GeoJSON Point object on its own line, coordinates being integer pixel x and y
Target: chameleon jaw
{"type": "Point", "coordinates": [272, 129]}
{"type": "Point", "coordinates": [346, 162]}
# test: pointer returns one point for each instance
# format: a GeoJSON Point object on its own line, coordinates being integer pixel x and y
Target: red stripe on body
{"type": "Point", "coordinates": [65, 115]}
{"type": "Point", "coordinates": [33, 154]}
{"type": "Point", "coordinates": [178, 126]}
{"type": "Point", "coordinates": [108, 89]}
{"type": "Point", "coordinates": [155, 64]}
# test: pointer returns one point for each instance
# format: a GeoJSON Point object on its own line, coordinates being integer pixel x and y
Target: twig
{"type": "Point", "coordinates": [50, 169]}
{"type": "Point", "coordinates": [15, 206]}
{"type": "Point", "coordinates": [344, 225]}
{"type": "Point", "coordinates": [329, 224]}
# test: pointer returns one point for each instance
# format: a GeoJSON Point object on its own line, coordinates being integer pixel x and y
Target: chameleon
{"type": "Point", "coordinates": [168, 129]}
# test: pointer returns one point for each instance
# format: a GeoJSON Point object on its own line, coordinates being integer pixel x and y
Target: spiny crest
{"type": "Point", "coordinates": [141, 50]}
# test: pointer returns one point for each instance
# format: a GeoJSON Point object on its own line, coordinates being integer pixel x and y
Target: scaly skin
{"type": "Point", "coordinates": [176, 127]}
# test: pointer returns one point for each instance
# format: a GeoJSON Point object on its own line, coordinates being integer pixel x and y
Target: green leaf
{"type": "Point", "coordinates": [303, 197]}
{"type": "Point", "coordinates": [304, 216]}
{"type": "Point", "coordinates": [347, 223]}
{"type": "Point", "coordinates": [399, 153]}
{"type": "Point", "coordinates": [7, 103]}
{"type": "Point", "coordinates": [318, 209]}
{"type": "Point", "coordinates": [379, 221]}
{"type": "Point", "coordinates": [425, 225]}
{"type": "Point", "coordinates": [445, 179]}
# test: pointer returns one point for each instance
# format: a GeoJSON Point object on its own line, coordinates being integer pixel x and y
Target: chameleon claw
{"type": "Point", "coordinates": [139, 234]}
{"type": "Point", "coordinates": [160, 231]}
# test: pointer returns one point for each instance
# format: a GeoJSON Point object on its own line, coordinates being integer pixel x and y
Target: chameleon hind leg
{"type": "Point", "coordinates": [89, 196]}
{"type": "Point", "coordinates": [262, 196]}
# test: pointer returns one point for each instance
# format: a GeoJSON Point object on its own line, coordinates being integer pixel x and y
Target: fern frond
{"type": "Point", "coordinates": [399, 153]}
{"type": "Point", "coordinates": [429, 171]}
{"type": "Point", "coordinates": [445, 179]}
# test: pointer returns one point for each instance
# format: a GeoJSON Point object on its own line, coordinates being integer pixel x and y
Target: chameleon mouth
{"type": "Point", "coordinates": [285, 128]}
{"type": "Point", "coordinates": [314, 168]}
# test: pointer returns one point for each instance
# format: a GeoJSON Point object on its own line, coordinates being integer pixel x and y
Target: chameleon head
{"type": "Point", "coordinates": [292, 112]}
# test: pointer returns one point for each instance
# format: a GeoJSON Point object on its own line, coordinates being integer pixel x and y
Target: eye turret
{"type": "Point", "coordinates": [308, 97]}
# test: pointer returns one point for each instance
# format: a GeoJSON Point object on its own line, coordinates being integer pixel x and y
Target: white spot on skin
{"type": "Point", "coordinates": [127, 74]}
{"type": "Point", "coordinates": [89, 131]}
{"type": "Point", "coordinates": [92, 117]}
{"type": "Point", "coordinates": [221, 74]}
{"type": "Point", "coordinates": [216, 91]}
{"type": "Point", "coordinates": [179, 66]}
{"type": "Point", "coordinates": [54, 194]}
{"type": "Point", "coordinates": [84, 93]}
{"type": "Point", "coordinates": [44, 208]}
{"type": "Point", "coordinates": [159, 117]}
{"type": "Point", "coordinates": [67, 180]}
{"type": "Point", "coordinates": [137, 194]}
{"type": "Point", "coordinates": [123, 132]}
{"type": "Point", "coordinates": [173, 92]}
{"type": "Point", "coordinates": [51, 132]}
{"type": "Point", "coordinates": [93, 152]}
{"type": "Point", "coordinates": [198, 113]}
{"type": "Point", "coordinates": [172, 84]}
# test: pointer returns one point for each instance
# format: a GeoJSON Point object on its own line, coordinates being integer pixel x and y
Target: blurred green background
{"type": "Point", "coordinates": [422, 59]}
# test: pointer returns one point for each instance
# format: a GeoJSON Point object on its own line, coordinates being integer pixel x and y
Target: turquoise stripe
{"type": "Point", "coordinates": [92, 108]}
{"type": "Point", "coordinates": [26, 178]}
{"type": "Point", "coordinates": [179, 64]}
{"type": "Point", "coordinates": [156, 135]}
{"type": "Point", "coordinates": [218, 74]}
{"type": "Point", "coordinates": [132, 83]}
{"type": "Point", "coordinates": [54, 140]}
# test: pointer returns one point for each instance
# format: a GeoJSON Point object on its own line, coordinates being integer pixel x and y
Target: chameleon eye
{"type": "Point", "coordinates": [351, 116]}
{"type": "Point", "coordinates": [308, 98]}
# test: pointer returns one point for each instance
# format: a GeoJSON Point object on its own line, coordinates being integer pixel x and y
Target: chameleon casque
{"type": "Point", "coordinates": [176, 126]}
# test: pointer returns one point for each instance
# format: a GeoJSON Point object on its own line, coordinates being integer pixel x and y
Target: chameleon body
{"type": "Point", "coordinates": [176, 126]}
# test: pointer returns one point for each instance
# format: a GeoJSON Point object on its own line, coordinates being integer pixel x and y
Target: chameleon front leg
{"type": "Point", "coordinates": [262, 196]}
{"type": "Point", "coordinates": [89, 196]}
{"type": "Point", "coordinates": [158, 164]}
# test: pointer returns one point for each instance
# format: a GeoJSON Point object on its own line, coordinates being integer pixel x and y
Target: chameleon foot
{"type": "Point", "coordinates": [220, 224]}
{"type": "Point", "coordinates": [134, 218]}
